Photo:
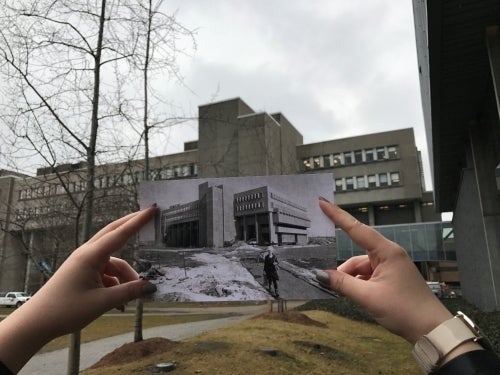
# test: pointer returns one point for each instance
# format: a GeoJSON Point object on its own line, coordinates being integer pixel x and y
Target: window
{"type": "Point", "coordinates": [395, 179]}
{"type": "Point", "coordinates": [169, 172]}
{"type": "Point", "coordinates": [339, 185]}
{"type": "Point", "coordinates": [349, 183]}
{"type": "Point", "coordinates": [381, 153]}
{"type": "Point", "coordinates": [360, 182]}
{"type": "Point", "coordinates": [185, 170]}
{"type": "Point", "coordinates": [337, 160]}
{"type": "Point", "coordinates": [327, 161]}
{"type": "Point", "coordinates": [369, 154]}
{"type": "Point", "coordinates": [382, 178]}
{"type": "Point", "coordinates": [348, 157]}
{"type": "Point", "coordinates": [316, 162]}
{"type": "Point", "coordinates": [372, 181]}
{"type": "Point", "coordinates": [307, 164]}
{"type": "Point", "coordinates": [193, 170]}
{"type": "Point", "coordinates": [358, 156]}
{"type": "Point", "coordinates": [392, 152]}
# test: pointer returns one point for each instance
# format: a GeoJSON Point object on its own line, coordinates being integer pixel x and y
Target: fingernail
{"type": "Point", "coordinates": [324, 199]}
{"type": "Point", "coordinates": [323, 277]}
{"type": "Point", "coordinates": [149, 288]}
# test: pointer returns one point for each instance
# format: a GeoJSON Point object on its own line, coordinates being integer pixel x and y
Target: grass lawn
{"type": "Point", "coordinates": [107, 326]}
{"type": "Point", "coordinates": [341, 346]}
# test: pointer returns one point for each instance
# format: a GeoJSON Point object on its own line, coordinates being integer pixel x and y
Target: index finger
{"type": "Point", "coordinates": [113, 240]}
{"type": "Point", "coordinates": [363, 235]}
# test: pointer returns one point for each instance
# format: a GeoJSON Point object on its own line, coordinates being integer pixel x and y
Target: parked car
{"type": "Point", "coordinates": [13, 299]}
{"type": "Point", "coordinates": [436, 288]}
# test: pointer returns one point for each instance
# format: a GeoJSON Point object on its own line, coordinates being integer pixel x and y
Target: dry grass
{"type": "Point", "coordinates": [111, 325]}
{"type": "Point", "coordinates": [342, 347]}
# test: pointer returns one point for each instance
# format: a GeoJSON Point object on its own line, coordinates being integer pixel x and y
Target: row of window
{"type": "Point", "coordinates": [64, 209]}
{"type": "Point", "coordinates": [287, 202]}
{"type": "Point", "coordinates": [249, 206]}
{"type": "Point", "coordinates": [351, 157]}
{"type": "Point", "coordinates": [249, 197]}
{"type": "Point", "coordinates": [370, 181]}
{"type": "Point", "coordinates": [166, 173]}
{"type": "Point", "coordinates": [108, 181]}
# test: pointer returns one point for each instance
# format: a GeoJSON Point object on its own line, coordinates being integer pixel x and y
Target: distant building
{"type": "Point", "coordinates": [259, 215]}
{"type": "Point", "coordinates": [377, 177]}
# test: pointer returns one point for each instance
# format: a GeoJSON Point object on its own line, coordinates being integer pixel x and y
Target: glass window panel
{"type": "Point", "coordinates": [349, 183]}
{"type": "Point", "coordinates": [358, 156]}
{"type": "Point", "coordinates": [348, 158]}
{"type": "Point", "coordinates": [395, 179]}
{"type": "Point", "coordinates": [307, 163]}
{"type": "Point", "coordinates": [316, 162]}
{"type": "Point", "coordinates": [360, 182]}
{"type": "Point", "coordinates": [372, 181]}
{"type": "Point", "coordinates": [392, 152]}
{"type": "Point", "coordinates": [339, 185]}
{"type": "Point", "coordinates": [402, 235]}
{"type": "Point", "coordinates": [327, 162]}
{"type": "Point", "coordinates": [382, 178]}
{"type": "Point", "coordinates": [337, 159]}
{"type": "Point", "coordinates": [370, 154]}
{"type": "Point", "coordinates": [381, 153]}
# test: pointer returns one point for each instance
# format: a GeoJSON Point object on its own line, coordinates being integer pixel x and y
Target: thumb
{"type": "Point", "coordinates": [343, 283]}
{"type": "Point", "coordinates": [121, 294]}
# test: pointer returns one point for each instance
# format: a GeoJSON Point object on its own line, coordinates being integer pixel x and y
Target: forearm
{"type": "Point", "coordinates": [21, 336]}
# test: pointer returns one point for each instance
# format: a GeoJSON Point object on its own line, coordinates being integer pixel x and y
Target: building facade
{"type": "Point", "coordinates": [377, 177]}
{"type": "Point", "coordinates": [458, 49]}
{"type": "Point", "coordinates": [259, 215]}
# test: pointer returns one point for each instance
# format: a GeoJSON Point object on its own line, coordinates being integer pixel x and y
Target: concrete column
{"type": "Point", "coordinates": [371, 215]}
{"type": "Point", "coordinates": [417, 209]}
{"type": "Point", "coordinates": [476, 222]}
{"type": "Point", "coordinates": [257, 232]}
{"type": "Point", "coordinates": [493, 44]}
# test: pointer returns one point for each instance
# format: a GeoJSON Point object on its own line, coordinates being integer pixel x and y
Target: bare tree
{"type": "Point", "coordinates": [156, 53]}
{"type": "Point", "coordinates": [53, 55]}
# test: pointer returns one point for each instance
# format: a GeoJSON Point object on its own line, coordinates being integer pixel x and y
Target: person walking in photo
{"type": "Point", "coordinates": [271, 270]}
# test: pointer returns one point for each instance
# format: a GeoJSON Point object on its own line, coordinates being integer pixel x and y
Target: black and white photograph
{"type": "Point", "coordinates": [237, 239]}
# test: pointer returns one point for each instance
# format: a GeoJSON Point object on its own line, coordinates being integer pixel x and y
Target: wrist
{"type": "Point", "coordinates": [465, 347]}
{"type": "Point", "coordinates": [447, 341]}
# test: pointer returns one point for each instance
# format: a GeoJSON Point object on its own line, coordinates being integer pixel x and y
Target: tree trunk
{"type": "Point", "coordinates": [74, 349]}
{"type": "Point", "coordinates": [139, 307]}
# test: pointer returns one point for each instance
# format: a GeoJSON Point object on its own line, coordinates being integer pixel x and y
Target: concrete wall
{"type": "Point", "coordinates": [290, 139]}
{"type": "Point", "coordinates": [12, 258]}
{"type": "Point", "coordinates": [218, 138]}
{"type": "Point", "coordinates": [407, 164]}
{"type": "Point", "coordinates": [476, 267]}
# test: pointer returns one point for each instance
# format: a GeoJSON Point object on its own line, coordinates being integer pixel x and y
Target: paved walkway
{"type": "Point", "coordinates": [55, 362]}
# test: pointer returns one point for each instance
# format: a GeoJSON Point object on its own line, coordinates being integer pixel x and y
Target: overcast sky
{"type": "Point", "coordinates": [334, 68]}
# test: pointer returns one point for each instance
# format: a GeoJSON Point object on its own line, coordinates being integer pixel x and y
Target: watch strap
{"type": "Point", "coordinates": [430, 349]}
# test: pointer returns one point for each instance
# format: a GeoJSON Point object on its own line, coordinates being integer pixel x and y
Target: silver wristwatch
{"type": "Point", "coordinates": [431, 348]}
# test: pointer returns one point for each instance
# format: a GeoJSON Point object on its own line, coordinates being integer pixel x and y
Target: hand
{"type": "Point", "coordinates": [89, 283]}
{"type": "Point", "coordinates": [385, 282]}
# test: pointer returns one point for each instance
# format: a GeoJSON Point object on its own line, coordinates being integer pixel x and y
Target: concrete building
{"type": "Point", "coordinates": [378, 178]}
{"type": "Point", "coordinates": [458, 47]}
{"type": "Point", "coordinates": [221, 215]}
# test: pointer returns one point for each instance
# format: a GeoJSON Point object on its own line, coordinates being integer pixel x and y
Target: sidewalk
{"type": "Point", "coordinates": [55, 362]}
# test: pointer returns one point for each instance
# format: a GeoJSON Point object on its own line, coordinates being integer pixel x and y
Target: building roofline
{"type": "Point", "coordinates": [360, 136]}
